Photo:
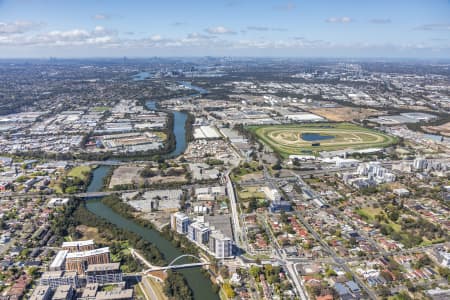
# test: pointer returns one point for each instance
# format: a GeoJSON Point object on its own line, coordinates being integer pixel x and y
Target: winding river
{"type": "Point", "coordinates": [179, 129]}
{"type": "Point", "coordinates": [200, 285]}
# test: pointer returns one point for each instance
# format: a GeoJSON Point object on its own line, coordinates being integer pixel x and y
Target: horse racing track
{"type": "Point", "coordinates": [301, 138]}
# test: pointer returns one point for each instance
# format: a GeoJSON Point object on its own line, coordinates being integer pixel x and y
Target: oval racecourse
{"type": "Point", "coordinates": [287, 139]}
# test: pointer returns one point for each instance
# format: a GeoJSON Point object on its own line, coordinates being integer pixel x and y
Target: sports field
{"type": "Point", "coordinates": [291, 139]}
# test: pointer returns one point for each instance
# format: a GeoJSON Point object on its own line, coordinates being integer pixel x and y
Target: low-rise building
{"type": "Point", "coordinates": [126, 294]}
{"type": "Point", "coordinates": [438, 294]}
{"type": "Point", "coordinates": [104, 273]}
{"type": "Point", "coordinates": [64, 292]}
{"type": "Point", "coordinates": [41, 292]}
{"type": "Point", "coordinates": [59, 261]}
{"type": "Point", "coordinates": [89, 292]}
{"type": "Point", "coordinates": [79, 261]}
{"type": "Point", "coordinates": [57, 278]}
{"type": "Point", "coordinates": [77, 246]}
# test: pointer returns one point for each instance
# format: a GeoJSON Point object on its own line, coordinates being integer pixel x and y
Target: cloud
{"type": "Point", "coordinates": [101, 17]}
{"type": "Point", "coordinates": [380, 21]}
{"type": "Point", "coordinates": [99, 38]}
{"type": "Point", "coordinates": [19, 27]}
{"type": "Point", "coordinates": [283, 44]}
{"type": "Point", "coordinates": [258, 28]}
{"type": "Point", "coordinates": [264, 28]}
{"type": "Point", "coordinates": [219, 30]}
{"type": "Point", "coordinates": [289, 6]}
{"type": "Point", "coordinates": [432, 27]}
{"type": "Point", "coordinates": [342, 20]}
{"type": "Point", "coordinates": [199, 36]}
{"type": "Point", "coordinates": [156, 38]}
{"type": "Point", "coordinates": [279, 29]}
{"type": "Point", "coordinates": [75, 37]}
{"type": "Point", "coordinates": [177, 24]}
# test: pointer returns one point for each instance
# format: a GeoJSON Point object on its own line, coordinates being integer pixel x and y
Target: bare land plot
{"type": "Point", "coordinates": [443, 129]}
{"type": "Point", "coordinates": [126, 175]}
{"type": "Point", "coordinates": [342, 114]}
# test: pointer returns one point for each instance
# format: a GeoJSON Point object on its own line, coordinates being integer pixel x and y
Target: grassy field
{"type": "Point", "coordinates": [101, 108]}
{"type": "Point", "coordinates": [81, 172]}
{"type": "Point", "coordinates": [369, 213]}
{"type": "Point", "coordinates": [161, 135]}
{"type": "Point", "coordinates": [288, 139]}
{"type": "Point", "coordinates": [250, 192]}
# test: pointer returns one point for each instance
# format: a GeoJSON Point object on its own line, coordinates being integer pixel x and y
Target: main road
{"type": "Point", "coordinates": [234, 210]}
{"type": "Point", "coordinates": [282, 258]}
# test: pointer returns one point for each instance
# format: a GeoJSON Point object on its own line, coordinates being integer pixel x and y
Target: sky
{"type": "Point", "coordinates": [260, 28]}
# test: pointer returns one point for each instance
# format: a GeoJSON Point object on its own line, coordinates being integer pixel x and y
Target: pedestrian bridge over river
{"type": "Point", "coordinates": [172, 264]}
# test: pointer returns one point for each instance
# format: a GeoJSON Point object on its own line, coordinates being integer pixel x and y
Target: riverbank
{"type": "Point", "coordinates": [201, 286]}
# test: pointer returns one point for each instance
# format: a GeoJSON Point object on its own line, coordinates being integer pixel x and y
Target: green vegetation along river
{"type": "Point", "coordinates": [179, 129]}
{"type": "Point", "coordinates": [200, 285]}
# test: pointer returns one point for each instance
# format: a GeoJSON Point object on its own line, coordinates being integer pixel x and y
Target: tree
{"type": "Point", "coordinates": [252, 205]}
{"type": "Point", "coordinates": [175, 287]}
{"type": "Point", "coordinates": [254, 271]}
{"type": "Point", "coordinates": [224, 272]}
{"type": "Point", "coordinates": [228, 290]}
{"type": "Point", "coordinates": [283, 217]}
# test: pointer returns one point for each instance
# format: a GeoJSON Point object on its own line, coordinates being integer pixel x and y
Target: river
{"type": "Point", "coordinates": [200, 285]}
{"type": "Point", "coordinates": [179, 129]}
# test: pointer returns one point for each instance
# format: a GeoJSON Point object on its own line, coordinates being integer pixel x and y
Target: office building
{"type": "Point", "coordinates": [420, 163]}
{"type": "Point", "coordinates": [179, 222]}
{"type": "Point", "coordinates": [220, 245]}
{"type": "Point", "coordinates": [198, 232]}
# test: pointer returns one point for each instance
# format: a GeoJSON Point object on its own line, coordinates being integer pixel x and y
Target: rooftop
{"type": "Point", "coordinates": [115, 294]}
{"type": "Point", "coordinates": [62, 291]}
{"type": "Point", "coordinates": [103, 267]}
{"type": "Point", "coordinates": [88, 253]}
{"type": "Point", "coordinates": [39, 292]}
{"type": "Point", "coordinates": [90, 290]}
{"type": "Point", "coordinates": [78, 243]}
{"type": "Point", "coordinates": [59, 259]}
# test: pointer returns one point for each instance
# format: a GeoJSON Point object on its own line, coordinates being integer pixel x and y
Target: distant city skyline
{"type": "Point", "coordinates": [277, 28]}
